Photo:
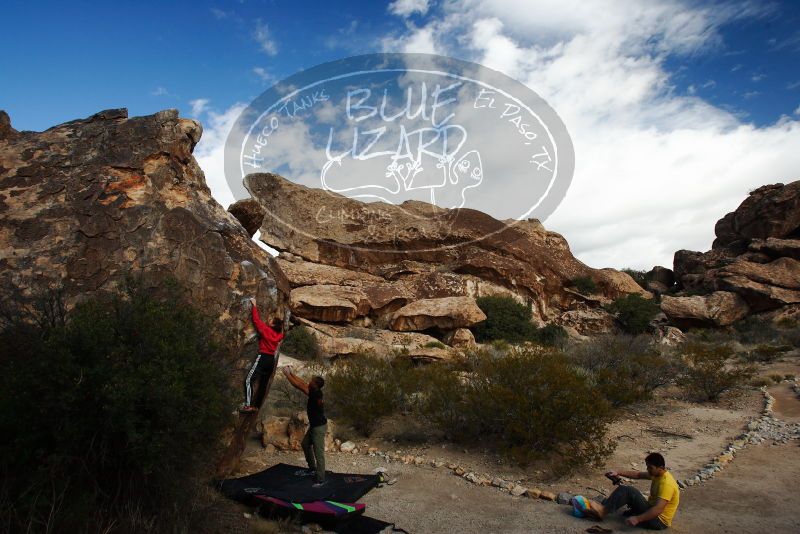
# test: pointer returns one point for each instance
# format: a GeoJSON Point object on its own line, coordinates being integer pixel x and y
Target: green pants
{"type": "Point", "coordinates": [314, 449]}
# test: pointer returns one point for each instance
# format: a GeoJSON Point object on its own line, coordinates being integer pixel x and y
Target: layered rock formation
{"type": "Point", "coordinates": [754, 263]}
{"type": "Point", "coordinates": [350, 261]}
{"type": "Point", "coordinates": [89, 201]}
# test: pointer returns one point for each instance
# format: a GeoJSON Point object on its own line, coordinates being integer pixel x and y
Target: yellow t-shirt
{"type": "Point", "coordinates": [665, 487]}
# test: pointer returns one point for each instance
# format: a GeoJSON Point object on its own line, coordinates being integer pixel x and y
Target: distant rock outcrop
{"type": "Point", "coordinates": [756, 256]}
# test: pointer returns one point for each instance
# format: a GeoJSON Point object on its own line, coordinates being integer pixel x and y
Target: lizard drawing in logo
{"type": "Point", "coordinates": [441, 178]}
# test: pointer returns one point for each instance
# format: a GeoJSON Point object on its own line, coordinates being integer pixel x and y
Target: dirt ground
{"type": "Point", "coordinates": [756, 493]}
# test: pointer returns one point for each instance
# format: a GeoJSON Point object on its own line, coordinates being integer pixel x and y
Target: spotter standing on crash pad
{"type": "Point", "coordinates": [268, 339]}
{"type": "Point", "coordinates": [314, 440]}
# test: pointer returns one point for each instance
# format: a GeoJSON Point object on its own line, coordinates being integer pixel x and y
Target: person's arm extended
{"type": "Point", "coordinates": [652, 513]}
{"type": "Point", "coordinates": [630, 474]}
{"type": "Point", "coordinates": [263, 329]}
{"type": "Point", "coordinates": [295, 380]}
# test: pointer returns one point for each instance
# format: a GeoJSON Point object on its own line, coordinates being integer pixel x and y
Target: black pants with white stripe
{"type": "Point", "coordinates": [259, 375]}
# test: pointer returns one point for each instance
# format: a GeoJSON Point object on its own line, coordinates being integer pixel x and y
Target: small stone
{"type": "Point", "coordinates": [681, 484]}
{"type": "Point", "coordinates": [419, 460]}
{"type": "Point", "coordinates": [451, 466]}
{"type": "Point", "coordinates": [563, 497]}
{"type": "Point", "coordinates": [533, 493]}
{"type": "Point", "coordinates": [347, 446]}
{"type": "Point", "coordinates": [548, 496]}
{"type": "Point", "coordinates": [270, 448]}
{"type": "Point", "coordinates": [507, 485]}
{"type": "Point", "coordinates": [437, 464]}
{"type": "Point", "coordinates": [518, 491]}
{"type": "Point", "coordinates": [372, 450]}
{"type": "Point", "coordinates": [459, 471]}
{"type": "Point", "coordinates": [497, 482]}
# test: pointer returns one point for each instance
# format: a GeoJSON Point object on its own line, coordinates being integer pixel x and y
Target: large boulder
{"type": "Point", "coordinates": [769, 211]}
{"type": "Point", "coordinates": [87, 202]}
{"type": "Point", "coordinates": [249, 213]}
{"type": "Point", "coordinates": [587, 321]}
{"type": "Point", "coordinates": [432, 252]}
{"type": "Point", "coordinates": [443, 314]}
{"type": "Point", "coordinates": [661, 275]}
{"type": "Point", "coordinates": [777, 248]}
{"type": "Point", "coordinates": [720, 308]}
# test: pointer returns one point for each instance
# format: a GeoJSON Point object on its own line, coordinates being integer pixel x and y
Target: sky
{"type": "Point", "coordinates": [676, 108]}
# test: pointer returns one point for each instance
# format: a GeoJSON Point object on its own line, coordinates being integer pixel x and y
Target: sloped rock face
{"type": "Point", "coordinates": [444, 314]}
{"type": "Point", "coordinates": [721, 308]}
{"type": "Point", "coordinates": [755, 254]}
{"type": "Point", "coordinates": [425, 252]}
{"type": "Point", "coordinates": [89, 201]}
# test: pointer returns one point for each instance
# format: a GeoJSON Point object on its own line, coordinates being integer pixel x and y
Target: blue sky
{"type": "Point", "coordinates": [676, 108]}
{"type": "Point", "coordinates": [68, 60]}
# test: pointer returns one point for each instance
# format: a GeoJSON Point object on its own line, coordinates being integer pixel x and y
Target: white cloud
{"type": "Point", "coordinates": [418, 41]}
{"type": "Point", "coordinates": [263, 37]}
{"type": "Point", "coordinates": [219, 14]}
{"type": "Point", "coordinates": [159, 91]}
{"type": "Point", "coordinates": [210, 151]}
{"type": "Point", "coordinates": [199, 105]}
{"type": "Point", "coordinates": [406, 8]}
{"type": "Point", "coordinates": [757, 77]}
{"type": "Point", "coordinates": [655, 169]}
{"type": "Point", "coordinates": [262, 73]}
{"type": "Point", "coordinates": [797, 111]}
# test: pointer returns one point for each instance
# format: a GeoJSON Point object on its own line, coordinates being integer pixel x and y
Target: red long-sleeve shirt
{"type": "Point", "coordinates": [268, 338]}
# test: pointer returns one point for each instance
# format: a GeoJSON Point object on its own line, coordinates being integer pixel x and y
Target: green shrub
{"type": "Point", "coordinates": [434, 345]}
{"type": "Point", "coordinates": [550, 335]}
{"type": "Point", "coordinates": [109, 414]}
{"type": "Point", "coordinates": [364, 388]}
{"type": "Point", "coordinates": [584, 285]}
{"type": "Point", "coordinates": [300, 343]}
{"type": "Point", "coordinates": [529, 403]}
{"type": "Point", "coordinates": [711, 370]}
{"type": "Point", "coordinates": [509, 321]}
{"type": "Point", "coordinates": [626, 369]}
{"type": "Point", "coordinates": [634, 312]}
{"type": "Point", "coordinates": [506, 319]}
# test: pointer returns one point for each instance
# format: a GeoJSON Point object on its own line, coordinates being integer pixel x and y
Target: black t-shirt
{"type": "Point", "coordinates": [315, 408]}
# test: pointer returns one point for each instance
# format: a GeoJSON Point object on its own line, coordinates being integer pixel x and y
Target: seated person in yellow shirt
{"type": "Point", "coordinates": [654, 513]}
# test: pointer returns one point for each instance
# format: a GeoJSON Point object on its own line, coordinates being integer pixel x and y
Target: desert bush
{"type": "Point", "coordinates": [529, 403]}
{"type": "Point", "coordinates": [506, 319]}
{"type": "Point", "coordinates": [434, 345]}
{"type": "Point", "coordinates": [711, 371]}
{"type": "Point", "coordinates": [300, 343]}
{"type": "Point", "coordinates": [626, 369]}
{"type": "Point", "coordinates": [754, 329]}
{"type": "Point", "coordinates": [634, 312]}
{"type": "Point", "coordinates": [776, 377]}
{"type": "Point", "coordinates": [509, 321]}
{"type": "Point", "coordinates": [550, 335]}
{"type": "Point", "coordinates": [110, 413]}
{"type": "Point", "coordinates": [760, 381]}
{"type": "Point", "coordinates": [584, 285]}
{"type": "Point", "coordinates": [364, 388]}
{"type": "Point", "coordinates": [766, 353]}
